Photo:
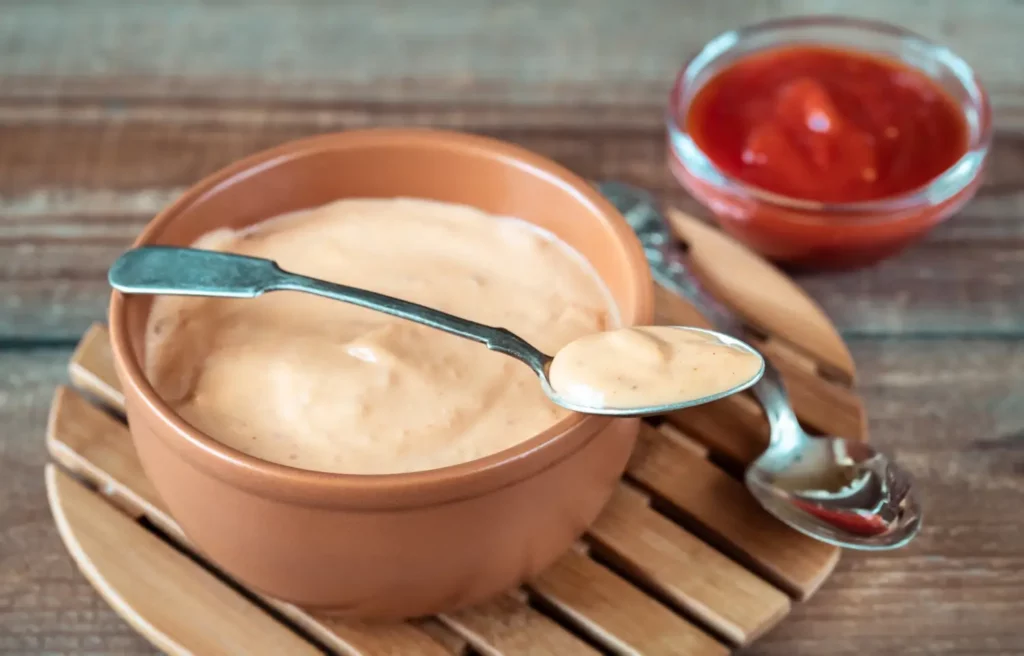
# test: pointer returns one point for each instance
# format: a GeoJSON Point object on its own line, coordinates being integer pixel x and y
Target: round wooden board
{"type": "Point", "coordinates": [682, 561]}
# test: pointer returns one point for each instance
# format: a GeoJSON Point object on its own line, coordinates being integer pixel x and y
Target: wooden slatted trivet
{"type": "Point", "coordinates": [682, 561]}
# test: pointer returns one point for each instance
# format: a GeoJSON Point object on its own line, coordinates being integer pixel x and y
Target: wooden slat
{"type": "Point", "coordinates": [737, 428]}
{"type": "Point", "coordinates": [775, 303]}
{"type": "Point", "coordinates": [723, 508]}
{"type": "Point", "coordinates": [90, 442]}
{"type": "Point", "coordinates": [179, 606]}
{"type": "Point", "coordinates": [671, 310]}
{"type": "Point", "coordinates": [673, 433]}
{"type": "Point", "coordinates": [92, 367]}
{"type": "Point", "coordinates": [735, 603]}
{"type": "Point", "coordinates": [375, 639]}
{"type": "Point", "coordinates": [468, 51]}
{"type": "Point", "coordinates": [506, 626]}
{"type": "Point", "coordinates": [56, 240]}
{"type": "Point", "coordinates": [821, 404]}
{"type": "Point", "coordinates": [454, 643]}
{"type": "Point", "coordinates": [734, 427]}
{"type": "Point", "coordinates": [617, 614]}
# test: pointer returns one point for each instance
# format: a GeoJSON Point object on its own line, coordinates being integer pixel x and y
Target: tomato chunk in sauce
{"type": "Point", "coordinates": [829, 125]}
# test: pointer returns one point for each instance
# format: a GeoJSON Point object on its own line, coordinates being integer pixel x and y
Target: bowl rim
{"type": "Point", "coordinates": [943, 187]}
{"type": "Point", "coordinates": [463, 480]}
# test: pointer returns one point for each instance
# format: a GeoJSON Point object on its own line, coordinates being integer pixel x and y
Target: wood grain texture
{"type": "Point", "coordinates": [92, 367]}
{"type": "Point", "coordinates": [697, 491]}
{"type": "Point", "coordinates": [523, 52]}
{"type": "Point", "coordinates": [822, 399]}
{"type": "Point", "coordinates": [773, 305]}
{"type": "Point", "coordinates": [685, 570]}
{"type": "Point", "coordinates": [506, 626]}
{"type": "Point", "coordinates": [156, 588]}
{"type": "Point", "coordinates": [602, 604]}
{"type": "Point", "coordinates": [75, 192]}
{"type": "Point", "coordinates": [87, 441]}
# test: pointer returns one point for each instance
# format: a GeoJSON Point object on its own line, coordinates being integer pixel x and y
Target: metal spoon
{"type": "Point", "coordinates": [194, 272]}
{"type": "Point", "coordinates": [838, 490]}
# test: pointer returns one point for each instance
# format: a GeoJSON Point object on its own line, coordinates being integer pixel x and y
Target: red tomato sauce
{"type": "Point", "coordinates": [825, 124]}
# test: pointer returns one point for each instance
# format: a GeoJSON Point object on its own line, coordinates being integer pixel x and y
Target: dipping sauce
{"type": "Point", "coordinates": [648, 366]}
{"type": "Point", "coordinates": [322, 385]}
{"type": "Point", "coordinates": [828, 142]}
{"type": "Point", "coordinates": [826, 124]}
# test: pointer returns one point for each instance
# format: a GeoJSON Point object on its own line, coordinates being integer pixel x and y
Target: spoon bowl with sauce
{"type": "Point", "coordinates": [628, 372]}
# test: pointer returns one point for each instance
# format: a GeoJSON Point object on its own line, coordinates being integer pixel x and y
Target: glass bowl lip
{"type": "Point", "coordinates": [948, 184]}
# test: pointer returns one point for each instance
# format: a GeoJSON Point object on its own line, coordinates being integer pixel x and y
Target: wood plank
{"type": "Point", "coordinates": [775, 305]}
{"type": "Point", "coordinates": [506, 626]}
{"type": "Point", "coordinates": [376, 639]}
{"type": "Point", "coordinates": [615, 613]}
{"type": "Point", "coordinates": [527, 52]}
{"type": "Point", "coordinates": [92, 367]}
{"type": "Point", "coordinates": [826, 407]}
{"type": "Point", "coordinates": [93, 444]}
{"type": "Point", "coordinates": [682, 568]}
{"type": "Point", "coordinates": [54, 250]}
{"type": "Point", "coordinates": [729, 515]}
{"type": "Point", "coordinates": [734, 428]}
{"type": "Point", "coordinates": [180, 607]}
{"type": "Point", "coordinates": [454, 643]}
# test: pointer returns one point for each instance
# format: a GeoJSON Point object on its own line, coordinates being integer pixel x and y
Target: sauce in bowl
{"type": "Point", "coordinates": [827, 124]}
{"type": "Point", "coordinates": [828, 142]}
{"type": "Point", "coordinates": [325, 386]}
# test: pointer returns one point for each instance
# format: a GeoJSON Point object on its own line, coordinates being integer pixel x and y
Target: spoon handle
{"type": "Point", "coordinates": [671, 269]}
{"type": "Point", "coordinates": [194, 272]}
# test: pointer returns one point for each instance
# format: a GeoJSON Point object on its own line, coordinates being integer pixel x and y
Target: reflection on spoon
{"type": "Point", "coordinates": [651, 366]}
{"type": "Point", "coordinates": [194, 272]}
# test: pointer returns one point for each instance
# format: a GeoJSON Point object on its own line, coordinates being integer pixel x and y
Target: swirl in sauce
{"type": "Point", "coordinates": [326, 386]}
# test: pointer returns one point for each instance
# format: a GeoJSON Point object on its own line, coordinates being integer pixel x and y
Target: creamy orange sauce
{"type": "Point", "coordinates": [648, 366]}
{"type": "Point", "coordinates": [322, 385]}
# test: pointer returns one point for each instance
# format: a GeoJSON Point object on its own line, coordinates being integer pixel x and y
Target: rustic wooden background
{"type": "Point", "coordinates": [108, 109]}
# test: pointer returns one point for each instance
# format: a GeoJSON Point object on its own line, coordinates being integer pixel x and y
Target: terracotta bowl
{"type": "Point", "coordinates": [402, 545]}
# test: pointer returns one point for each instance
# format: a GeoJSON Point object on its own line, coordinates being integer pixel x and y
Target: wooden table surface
{"type": "Point", "coordinates": [109, 109]}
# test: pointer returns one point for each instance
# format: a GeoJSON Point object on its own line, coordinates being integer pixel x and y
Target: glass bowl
{"type": "Point", "coordinates": [813, 234]}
